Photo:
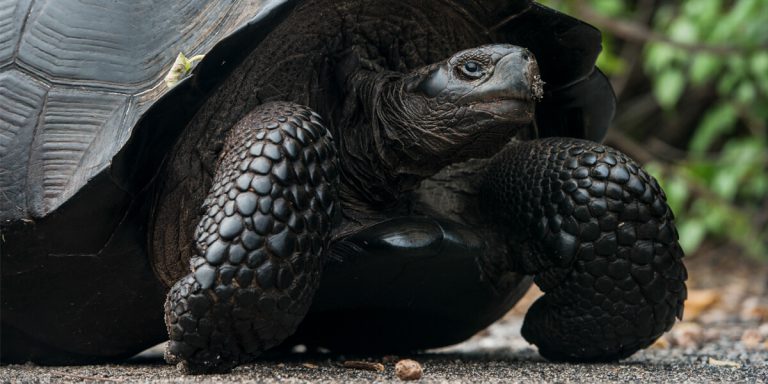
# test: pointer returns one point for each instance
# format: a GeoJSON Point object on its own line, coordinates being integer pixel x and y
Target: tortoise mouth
{"type": "Point", "coordinates": [516, 110]}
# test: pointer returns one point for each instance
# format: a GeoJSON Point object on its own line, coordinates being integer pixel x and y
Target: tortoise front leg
{"type": "Point", "coordinates": [259, 243]}
{"type": "Point", "coordinates": [597, 233]}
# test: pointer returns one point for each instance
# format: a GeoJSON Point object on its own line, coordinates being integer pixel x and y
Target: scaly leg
{"type": "Point", "coordinates": [259, 243]}
{"type": "Point", "coordinates": [596, 232]}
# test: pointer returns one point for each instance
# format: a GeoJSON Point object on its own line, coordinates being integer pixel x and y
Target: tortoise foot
{"type": "Point", "coordinates": [598, 236]}
{"type": "Point", "coordinates": [259, 243]}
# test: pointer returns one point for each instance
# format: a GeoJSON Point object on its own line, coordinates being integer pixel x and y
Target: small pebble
{"type": "Point", "coordinates": [751, 338]}
{"type": "Point", "coordinates": [754, 308]}
{"type": "Point", "coordinates": [661, 343]}
{"type": "Point", "coordinates": [686, 335]}
{"type": "Point", "coordinates": [763, 329]}
{"type": "Point", "coordinates": [408, 369]}
{"type": "Point", "coordinates": [700, 300]}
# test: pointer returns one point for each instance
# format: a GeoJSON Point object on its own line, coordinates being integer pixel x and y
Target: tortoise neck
{"type": "Point", "coordinates": [370, 172]}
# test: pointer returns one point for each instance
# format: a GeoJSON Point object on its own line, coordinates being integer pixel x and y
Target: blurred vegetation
{"type": "Point", "coordinates": [691, 77]}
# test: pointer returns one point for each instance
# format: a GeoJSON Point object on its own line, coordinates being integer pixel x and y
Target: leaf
{"type": "Point", "coordinates": [704, 67]}
{"type": "Point", "coordinates": [746, 92]}
{"type": "Point", "coordinates": [745, 159]}
{"type": "Point", "coordinates": [180, 69]}
{"type": "Point", "coordinates": [659, 56]}
{"type": "Point", "coordinates": [726, 183]}
{"type": "Point", "coordinates": [759, 64]}
{"type": "Point", "coordinates": [715, 123]}
{"type": "Point", "coordinates": [684, 31]}
{"type": "Point", "coordinates": [677, 192]}
{"type": "Point", "coordinates": [668, 87]}
{"type": "Point", "coordinates": [692, 234]}
{"type": "Point", "coordinates": [728, 82]}
{"type": "Point", "coordinates": [723, 363]}
{"type": "Point", "coordinates": [609, 7]}
{"type": "Point", "coordinates": [703, 12]}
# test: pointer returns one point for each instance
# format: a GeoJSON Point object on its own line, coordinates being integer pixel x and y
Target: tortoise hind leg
{"type": "Point", "coordinates": [259, 243]}
{"type": "Point", "coordinates": [596, 232]}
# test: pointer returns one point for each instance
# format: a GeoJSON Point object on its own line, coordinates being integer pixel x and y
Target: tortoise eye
{"type": "Point", "coordinates": [472, 69]}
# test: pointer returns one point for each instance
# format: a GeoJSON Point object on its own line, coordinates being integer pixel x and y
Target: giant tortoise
{"type": "Point", "coordinates": [361, 175]}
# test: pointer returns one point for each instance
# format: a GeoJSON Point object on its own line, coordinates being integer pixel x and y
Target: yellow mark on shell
{"type": "Point", "coordinates": [181, 69]}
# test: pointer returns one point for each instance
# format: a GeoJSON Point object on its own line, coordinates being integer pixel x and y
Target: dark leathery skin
{"type": "Point", "coordinates": [598, 235]}
{"type": "Point", "coordinates": [259, 243]}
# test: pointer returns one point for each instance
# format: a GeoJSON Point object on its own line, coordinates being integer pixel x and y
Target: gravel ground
{"type": "Point", "coordinates": [480, 359]}
{"type": "Point", "coordinates": [724, 339]}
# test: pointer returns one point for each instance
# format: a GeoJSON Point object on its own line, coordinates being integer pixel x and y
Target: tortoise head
{"type": "Point", "coordinates": [467, 106]}
{"type": "Point", "coordinates": [499, 82]}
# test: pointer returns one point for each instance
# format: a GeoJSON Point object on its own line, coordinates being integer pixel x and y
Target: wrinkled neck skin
{"type": "Point", "coordinates": [391, 139]}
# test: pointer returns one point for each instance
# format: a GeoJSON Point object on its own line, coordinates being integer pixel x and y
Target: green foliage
{"type": "Point", "coordinates": [718, 47]}
{"type": "Point", "coordinates": [718, 43]}
{"type": "Point", "coordinates": [714, 43]}
{"type": "Point", "coordinates": [716, 197]}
